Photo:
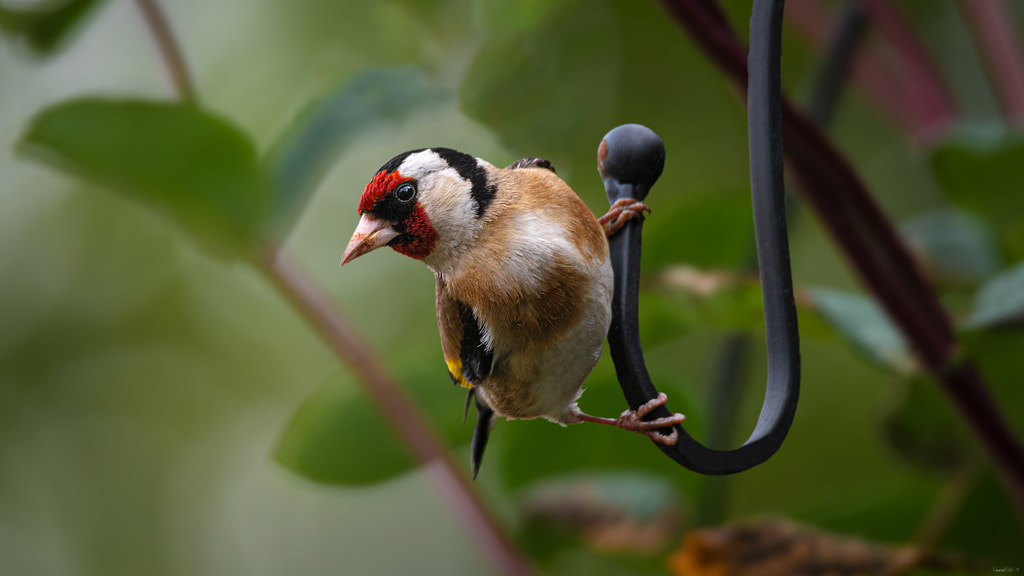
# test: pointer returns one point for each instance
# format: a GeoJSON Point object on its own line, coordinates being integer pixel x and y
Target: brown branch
{"type": "Point", "coordinates": [874, 250]}
{"type": "Point", "coordinates": [991, 24]}
{"type": "Point", "coordinates": [169, 49]}
{"type": "Point", "coordinates": [403, 416]}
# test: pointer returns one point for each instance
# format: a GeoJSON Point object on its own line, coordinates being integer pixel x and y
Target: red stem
{"type": "Point", "coordinates": [899, 76]}
{"type": "Point", "coordinates": [170, 51]}
{"type": "Point", "coordinates": [919, 76]}
{"type": "Point", "coordinates": [991, 24]}
{"type": "Point", "coordinates": [868, 67]}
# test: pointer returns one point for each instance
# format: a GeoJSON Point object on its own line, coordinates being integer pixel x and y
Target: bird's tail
{"type": "Point", "coordinates": [484, 424]}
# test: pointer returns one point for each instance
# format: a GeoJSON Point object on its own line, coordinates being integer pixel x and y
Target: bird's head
{"type": "Point", "coordinates": [425, 204]}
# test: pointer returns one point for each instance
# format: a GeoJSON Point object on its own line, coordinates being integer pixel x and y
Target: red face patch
{"type": "Point", "coordinates": [420, 234]}
{"type": "Point", "coordinates": [379, 187]}
{"type": "Point", "coordinates": [417, 236]}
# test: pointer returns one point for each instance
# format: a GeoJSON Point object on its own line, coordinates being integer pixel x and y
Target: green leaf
{"type": "Point", "coordinates": [552, 88]}
{"type": "Point", "coordinates": [684, 297]}
{"type": "Point", "coordinates": [327, 127]}
{"type": "Point", "coordinates": [921, 425]}
{"type": "Point", "coordinates": [504, 15]}
{"type": "Point", "coordinates": [865, 326]}
{"type": "Point", "coordinates": [44, 31]}
{"type": "Point", "coordinates": [956, 246]}
{"type": "Point", "coordinates": [987, 505]}
{"type": "Point", "coordinates": [999, 301]}
{"type": "Point", "coordinates": [339, 436]}
{"type": "Point", "coordinates": [985, 174]}
{"type": "Point", "coordinates": [709, 230]}
{"type": "Point", "coordinates": [194, 165]}
{"type": "Point", "coordinates": [688, 297]}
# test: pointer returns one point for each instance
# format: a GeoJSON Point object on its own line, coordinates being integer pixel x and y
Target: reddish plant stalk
{"type": "Point", "coordinates": [919, 77]}
{"type": "Point", "coordinates": [899, 76]}
{"type": "Point", "coordinates": [169, 49]}
{"type": "Point", "coordinates": [868, 68]}
{"type": "Point", "coordinates": [991, 24]}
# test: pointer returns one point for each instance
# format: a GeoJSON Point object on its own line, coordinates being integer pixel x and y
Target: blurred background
{"type": "Point", "coordinates": [163, 410]}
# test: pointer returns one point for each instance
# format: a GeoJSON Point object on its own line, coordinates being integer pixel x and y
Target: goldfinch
{"type": "Point", "coordinates": [523, 280]}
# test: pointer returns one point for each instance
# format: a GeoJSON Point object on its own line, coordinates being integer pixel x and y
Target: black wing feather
{"type": "Point", "coordinates": [476, 358]}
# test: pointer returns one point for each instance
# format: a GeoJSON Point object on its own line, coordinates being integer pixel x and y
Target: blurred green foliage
{"type": "Point", "coordinates": [958, 248]}
{"type": "Point", "coordinates": [301, 156]}
{"type": "Point", "coordinates": [338, 436]}
{"type": "Point", "coordinates": [44, 29]}
{"type": "Point", "coordinates": [1000, 300]}
{"type": "Point", "coordinates": [144, 386]}
{"type": "Point", "coordinates": [924, 429]}
{"type": "Point", "coordinates": [197, 167]}
{"type": "Point", "coordinates": [984, 172]}
{"type": "Point", "coordinates": [866, 327]}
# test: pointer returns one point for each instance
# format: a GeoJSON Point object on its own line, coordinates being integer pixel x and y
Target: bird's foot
{"type": "Point", "coordinates": [624, 210]}
{"type": "Point", "coordinates": [634, 420]}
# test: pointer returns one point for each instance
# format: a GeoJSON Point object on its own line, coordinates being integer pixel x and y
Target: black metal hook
{"type": "Point", "coordinates": [631, 158]}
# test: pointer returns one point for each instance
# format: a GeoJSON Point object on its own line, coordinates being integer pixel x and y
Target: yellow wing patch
{"type": "Point", "coordinates": [455, 370]}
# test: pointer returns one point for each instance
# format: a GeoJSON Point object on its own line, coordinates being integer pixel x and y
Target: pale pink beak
{"type": "Point", "coordinates": [370, 234]}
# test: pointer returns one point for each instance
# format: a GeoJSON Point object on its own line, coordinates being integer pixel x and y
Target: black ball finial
{"type": "Point", "coordinates": [630, 154]}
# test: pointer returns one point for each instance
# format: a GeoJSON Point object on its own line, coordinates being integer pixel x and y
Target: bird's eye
{"type": "Point", "coordinates": [405, 193]}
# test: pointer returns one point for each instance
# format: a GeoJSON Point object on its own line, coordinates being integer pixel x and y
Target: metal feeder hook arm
{"type": "Point", "coordinates": [630, 159]}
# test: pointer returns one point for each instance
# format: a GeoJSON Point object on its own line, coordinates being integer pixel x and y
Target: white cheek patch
{"type": "Point", "coordinates": [446, 198]}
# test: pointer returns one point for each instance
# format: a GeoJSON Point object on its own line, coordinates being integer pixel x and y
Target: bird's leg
{"type": "Point", "coordinates": [624, 210]}
{"type": "Point", "coordinates": [634, 420]}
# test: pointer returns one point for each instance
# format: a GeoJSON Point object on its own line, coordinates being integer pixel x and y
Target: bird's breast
{"type": "Point", "coordinates": [543, 377]}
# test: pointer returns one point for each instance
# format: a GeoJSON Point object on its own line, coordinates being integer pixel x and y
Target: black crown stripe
{"type": "Point", "coordinates": [469, 169]}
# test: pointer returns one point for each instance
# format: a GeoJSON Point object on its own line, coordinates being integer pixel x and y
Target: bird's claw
{"type": "Point", "coordinates": [624, 210]}
{"type": "Point", "coordinates": [634, 420]}
{"type": "Point", "coordinates": [669, 439]}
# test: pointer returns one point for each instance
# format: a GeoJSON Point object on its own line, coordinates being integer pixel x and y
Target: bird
{"type": "Point", "coordinates": [523, 281]}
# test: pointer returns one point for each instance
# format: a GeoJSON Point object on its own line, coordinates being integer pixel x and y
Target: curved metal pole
{"type": "Point", "coordinates": [631, 158]}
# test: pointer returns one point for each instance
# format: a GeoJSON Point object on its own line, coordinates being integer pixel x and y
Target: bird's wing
{"type": "Point", "coordinates": [468, 358]}
{"type": "Point", "coordinates": [531, 163]}
{"type": "Point", "coordinates": [469, 362]}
